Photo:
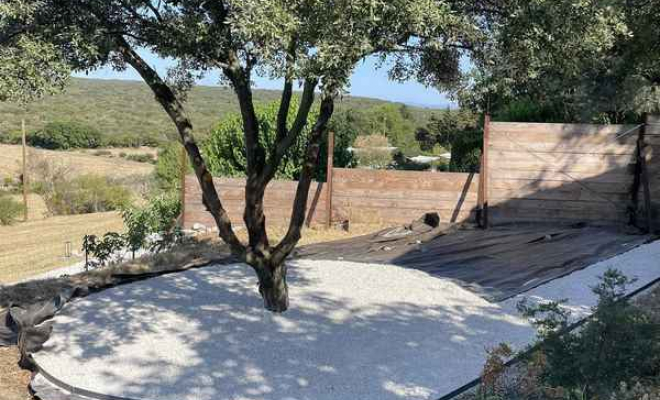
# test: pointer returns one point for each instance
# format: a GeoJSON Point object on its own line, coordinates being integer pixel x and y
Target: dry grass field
{"type": "Point", "coordinates": [116, 151]}
{"type": "Point", "coordinates": [34, 247]}
{"type": "Point", "coordinates": [76, 162]}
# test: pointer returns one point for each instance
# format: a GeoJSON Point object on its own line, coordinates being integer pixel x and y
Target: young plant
{"type": "Point", "coordinates": [101, 250]}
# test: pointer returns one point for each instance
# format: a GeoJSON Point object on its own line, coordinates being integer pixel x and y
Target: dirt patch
{"type": "Point", "coordinates": [14, 381]}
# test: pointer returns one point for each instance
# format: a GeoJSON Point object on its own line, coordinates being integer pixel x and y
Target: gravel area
{"type": "Point", "coordinates": [355, 331]}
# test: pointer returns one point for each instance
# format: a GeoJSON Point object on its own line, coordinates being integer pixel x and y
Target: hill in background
{"type": "Point", "coordinates": [117, 107]}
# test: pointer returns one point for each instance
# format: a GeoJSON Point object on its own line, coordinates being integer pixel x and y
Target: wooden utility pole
{"type": "Point", "coordinates": [25, 175]}
{"type": "Point", "coordinates": [328, 191]}
{"type": "Point", "coordinates": [184, 171]}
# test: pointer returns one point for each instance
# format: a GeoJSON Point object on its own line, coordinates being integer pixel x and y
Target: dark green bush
{"type": "Point", "coordinates": [66, 135]}
{"type": "Point", "coordinates": [618, 344]}
{"type": "Point", "coordinates": [10, 210]}
{"type": "Point", "coordinates": [525, 110]}
{"type": "Point", "coordinates": [457, 131]}
{"type": "Point", "coordinates": [132, 140]}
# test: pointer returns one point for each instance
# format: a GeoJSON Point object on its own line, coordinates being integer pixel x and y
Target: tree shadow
{"type": "Point", "coordinates": [203, 334]}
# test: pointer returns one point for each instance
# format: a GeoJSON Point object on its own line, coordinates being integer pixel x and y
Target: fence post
{"type": "Point", "coordinates": [184, 171]}
{"type": "Point", "coordinates": [641, 146]}
{"type": "Point", "coordinates": [25, 176]}
{"type": "Point", "coordinates": [483, 175]}
{"type": "Point", "coordinates": [328, 201]}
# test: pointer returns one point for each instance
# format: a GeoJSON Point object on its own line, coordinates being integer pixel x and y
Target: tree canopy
{"type": "Point", "coordinates": [579, 60]}
{"type": "Point", "coordinates": [29, 67]}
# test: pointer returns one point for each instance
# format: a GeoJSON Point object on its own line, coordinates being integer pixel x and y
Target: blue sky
{"type": "Point", "coordinates": [367, 81]}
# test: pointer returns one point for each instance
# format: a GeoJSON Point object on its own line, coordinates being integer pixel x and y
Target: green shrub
{"type": "Point", "coordinates": [526, 110]}
{"type": "Point", "coordinates": [101, 250]}
{"type": "Point", "coordinates": [158, 217]}
{"type": "Point", "coordinates": [143, 158]}
{"type": "Point", "coordinates": [224, 149]}
{"type": "Point", "coordinates": [168, 166]}
{"type": "Point", "coordinates": [83, 194]}
{"type": "Point", "coordinates": [619, 343]}
{"type": "Point", "coordinates": [132, 140]}
{"type": "Point", "coordinates": [12, 137]}
{"type": "Point", "coordinates": [10, 210]}
{"type": "Point", "coordinates": [66, 135]}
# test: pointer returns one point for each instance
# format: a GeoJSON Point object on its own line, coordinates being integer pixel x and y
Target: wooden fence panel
{"type": "Point", "coordinates": [359, 196]}
{"type": "Point", "coordinates": [560, 172]}
{"type": "Point", "coordinates": [278, 202]}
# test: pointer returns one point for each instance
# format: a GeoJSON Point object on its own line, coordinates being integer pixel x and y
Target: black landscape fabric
{"type": "Point", "coordinates": [497, 263]}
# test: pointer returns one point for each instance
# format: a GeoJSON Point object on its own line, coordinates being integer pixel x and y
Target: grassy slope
{"type": "Point", "coordinates": [118, 107]}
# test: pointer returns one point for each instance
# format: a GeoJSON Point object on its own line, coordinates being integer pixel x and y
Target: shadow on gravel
{"type": "Point", "coordinates": [208, 338]}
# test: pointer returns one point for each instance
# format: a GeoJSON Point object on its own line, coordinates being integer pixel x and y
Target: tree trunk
{"type": "Point", "coordinates": [272, 281]}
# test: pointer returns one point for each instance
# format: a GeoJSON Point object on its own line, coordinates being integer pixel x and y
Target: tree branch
{"type": "Point", "coordinates": [284, 143]}
{"type": "Point", "coordinates": [166, 97]}
{"type": "Point", "coordinates": [286, 246]}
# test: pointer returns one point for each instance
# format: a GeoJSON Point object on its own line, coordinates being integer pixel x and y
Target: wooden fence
{"type": "Point", "coordinates": [358, 195]}
{"type": "Point", "coordinates": [551, 173]}
{"type": "Point", "coordinates": [560, 172]}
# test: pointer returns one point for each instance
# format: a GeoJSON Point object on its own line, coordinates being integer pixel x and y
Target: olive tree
{"type": "Point", "coordinates": [313, 45]}
{"type": "Point", "coordinates": [585, 60]}
{"type": "Point", "coordinates": [29, 67]}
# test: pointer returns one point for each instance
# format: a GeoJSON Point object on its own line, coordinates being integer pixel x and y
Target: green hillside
{"type": "Point", "coordinates": [127, 107]}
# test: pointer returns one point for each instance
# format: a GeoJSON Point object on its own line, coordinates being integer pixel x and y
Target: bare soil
{"type": "Point", "coordinates": [14, 381]}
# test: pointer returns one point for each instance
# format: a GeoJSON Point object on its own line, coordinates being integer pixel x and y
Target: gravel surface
{"type": "Point", "coordinates": [355, 331]}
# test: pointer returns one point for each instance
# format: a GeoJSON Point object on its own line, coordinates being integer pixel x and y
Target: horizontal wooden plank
{"type": "Point", "coordinates": [548, 165]}
{"type": "Point", "coordinates": [576, 194]}
{"type": "Point", "coordinates": [550, 175]}
{"type": "Point", "coordinates": [237, 217]}
{"type": "Point", "coordinates": [564, 131]}
{"type": "Point", "coordinates": [543, 185]}
{"type": "Point", "coordinates": [554, 147]}
{"type": "Point", "coordinates": [561, 158]}
{"type": "Point", "coordinates": [429, 195]}
{"type": "Point", "coordinates": [397, 205]}
{"type": "Point", "coordinates": [545, 204]}
{"type": "Point", "coordinates": [504, 214]}
{"type": "Point", "coordinates": [408, 185]}
{"type": "Point", "coordinates": [378, 215]}
{"type": "Point", "coordinates": [393, 175]}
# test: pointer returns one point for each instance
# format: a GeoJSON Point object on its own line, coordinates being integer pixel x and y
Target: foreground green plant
{"type": "Point", "coordinates": [619, 343]}
{"type": "Point", "coordinates": [152, 227]}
